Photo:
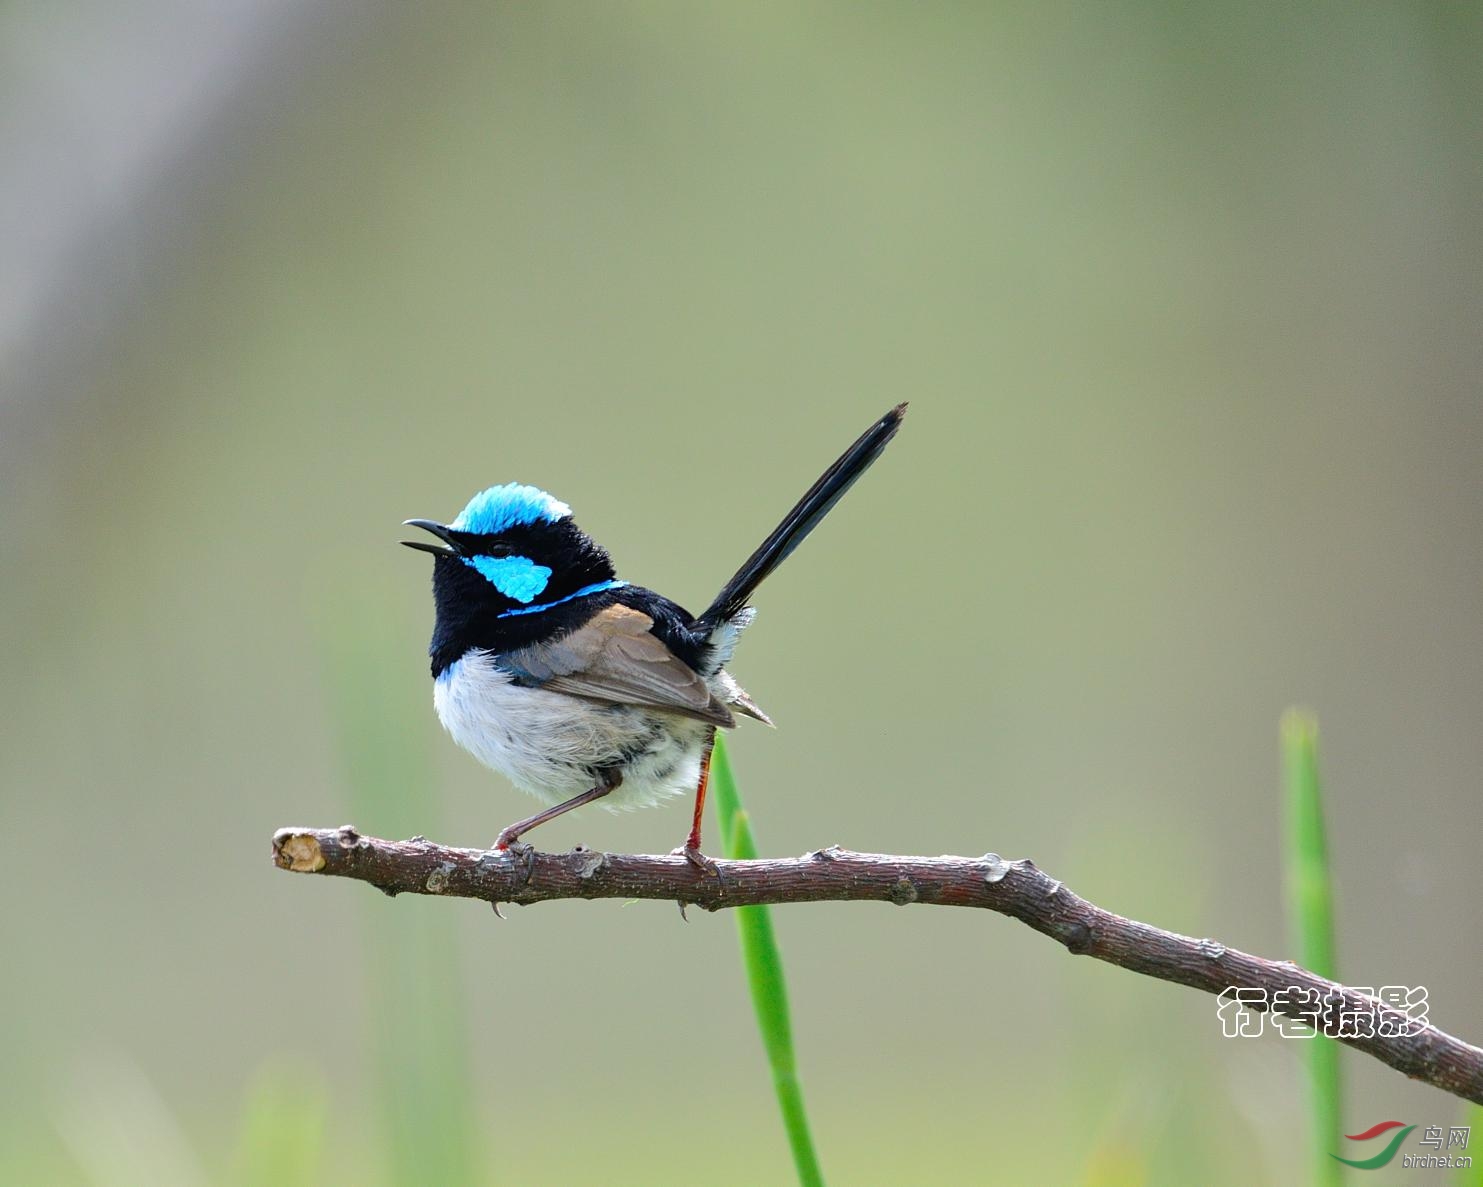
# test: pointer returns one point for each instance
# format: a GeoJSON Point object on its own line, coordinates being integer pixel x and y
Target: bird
{"type": "Point", "coordinates": [576, 685]}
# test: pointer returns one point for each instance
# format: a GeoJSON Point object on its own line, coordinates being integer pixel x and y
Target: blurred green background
{"type": "Point", "coordinates": [1186, 300]}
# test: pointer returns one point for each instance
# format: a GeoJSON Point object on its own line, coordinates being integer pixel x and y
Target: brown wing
{"type": "Point", "coordinates": [614, 658]}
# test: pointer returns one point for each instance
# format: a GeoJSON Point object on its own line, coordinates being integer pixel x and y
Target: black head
{"type": "Point", "coordinates": [511, 554]}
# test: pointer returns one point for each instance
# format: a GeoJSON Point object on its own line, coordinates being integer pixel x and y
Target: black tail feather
{"type": "Point", "coordinates": [799, 522]}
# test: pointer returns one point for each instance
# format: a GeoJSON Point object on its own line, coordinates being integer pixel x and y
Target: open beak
{"type": "Point", "coordinates": [447, 548]}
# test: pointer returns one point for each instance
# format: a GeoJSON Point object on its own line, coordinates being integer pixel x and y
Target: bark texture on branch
{"type": "Point", "coordinates": [1014, 888]}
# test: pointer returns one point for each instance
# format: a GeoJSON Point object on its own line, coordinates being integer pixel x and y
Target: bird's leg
{"type": "Point", "coordinates": [691, 851]}
{"type": "Point", "coordinates": [610, 780]}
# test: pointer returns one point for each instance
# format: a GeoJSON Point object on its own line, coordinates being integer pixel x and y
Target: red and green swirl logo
{"type": "Point", "coordinates": [1384, 1157]}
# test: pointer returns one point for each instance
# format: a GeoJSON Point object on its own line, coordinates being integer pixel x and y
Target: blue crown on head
{"type": "Point", "coordinates": [511, 505]}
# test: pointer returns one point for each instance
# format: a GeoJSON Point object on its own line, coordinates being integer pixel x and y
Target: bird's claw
{"type": "Point", "coordinates": [699, 860]}
{"type": "Point", "coordinates": [518, 851]}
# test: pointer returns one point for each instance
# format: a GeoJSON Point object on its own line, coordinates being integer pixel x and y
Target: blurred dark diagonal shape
{"type": "Point", "coordinates": [118, 125]}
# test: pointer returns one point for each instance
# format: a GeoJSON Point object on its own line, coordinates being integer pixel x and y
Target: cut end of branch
{"type": "Point", "coordinates": [298, 851]}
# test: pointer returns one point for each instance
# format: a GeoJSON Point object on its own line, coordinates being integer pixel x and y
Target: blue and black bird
{"type": "Point", "coordinates": [578, 686]}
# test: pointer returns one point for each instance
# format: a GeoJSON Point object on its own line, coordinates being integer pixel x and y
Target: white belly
{"type": "Point", "coordinates": [553, 745]}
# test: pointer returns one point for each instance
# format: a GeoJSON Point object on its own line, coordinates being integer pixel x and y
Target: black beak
{"type": "Point", "coordinates": [438, 530]}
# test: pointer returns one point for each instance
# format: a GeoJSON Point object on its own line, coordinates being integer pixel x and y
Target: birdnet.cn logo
{"type": "Point", "coordinates": [1395, 1134]}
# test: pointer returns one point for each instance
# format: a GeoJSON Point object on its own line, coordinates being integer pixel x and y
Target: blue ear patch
{"type": "Point", "coordinates": [517, 577]}
{"type": "Point", "coordinates": [508, 506]}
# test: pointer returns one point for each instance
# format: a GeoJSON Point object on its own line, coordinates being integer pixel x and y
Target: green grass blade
{"type": "Point", "coordinates": [281, 1136]}
{"type": "Point", "coordinates": [764, 965]}
{"type": "Point", "coordinates": [1471, 1176]}
{"type": "Point", "coordinates": [417, 1027]}
{"type": "Point", "coordinates": [1310, 899]}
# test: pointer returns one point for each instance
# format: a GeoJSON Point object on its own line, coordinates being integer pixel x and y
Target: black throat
{"type": "Point", "coordinates": [473, 612]}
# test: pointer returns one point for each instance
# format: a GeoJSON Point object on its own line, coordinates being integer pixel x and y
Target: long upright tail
{"type": "Point", "coordinates": [799, 522]}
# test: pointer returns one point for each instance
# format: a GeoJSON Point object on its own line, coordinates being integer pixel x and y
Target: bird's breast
{"type": "Point", "coordinates": [553, 745]}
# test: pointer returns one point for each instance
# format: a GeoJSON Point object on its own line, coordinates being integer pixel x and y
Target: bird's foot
{"type": "Point", "coordinates": [699, 860]}
{"type": "Point", "coordinates": [707, 867]}
{"type": "Point", "coordinates": [517, 850]}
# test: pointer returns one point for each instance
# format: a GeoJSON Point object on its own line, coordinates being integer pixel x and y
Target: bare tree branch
{"type": "Point", "coordinates": [1014, 888]}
